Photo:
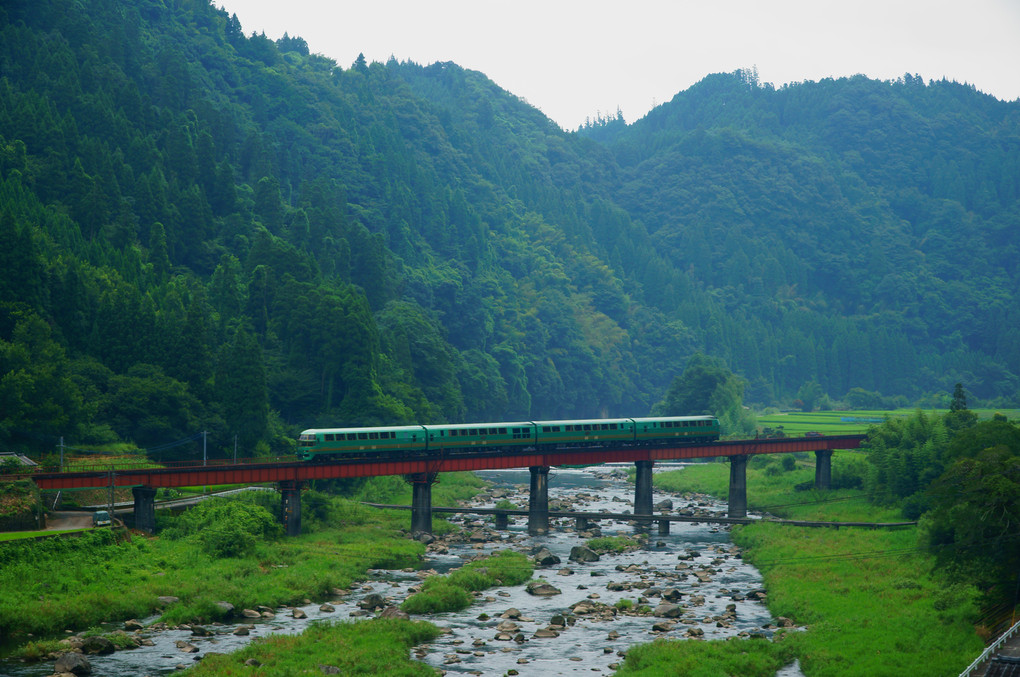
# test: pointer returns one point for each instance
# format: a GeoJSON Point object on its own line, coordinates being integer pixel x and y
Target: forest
{"type": "Point", "coordinates": [203, 230]}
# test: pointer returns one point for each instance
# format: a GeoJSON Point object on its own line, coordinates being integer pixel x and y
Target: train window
{"type": "Point", "coordinates": [612, 426]}
{"type": "Point", "coordinates": [373, 436]}
{"type": "Point", "coordinates": [473, 431]}
{"type": "Point", "coordinates": [329, 437]}
{"type": "Point", "coordinates": [605, 426]}
{"type": "Point", "coordinates": [587, 426]}
{"type": "Point", "coordinates": [362, 436]}
{"type": "Point", "coordinates": [453, 433]}
{"type": "Point", "coordinates": [502, 431]}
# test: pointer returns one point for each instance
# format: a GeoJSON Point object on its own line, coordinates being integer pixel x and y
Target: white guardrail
{"type": "Point", "coordinates": [990, 650]}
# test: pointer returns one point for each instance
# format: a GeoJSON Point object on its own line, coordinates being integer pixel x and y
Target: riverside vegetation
{"type": "Point", "coordinates": [221, 550]}
{"type": "Point", "coordinates": [205, 229]}
{"type": "Point", "coordinates": [869, 600]}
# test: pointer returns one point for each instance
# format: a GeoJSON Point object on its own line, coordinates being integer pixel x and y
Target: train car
{"type": "Point", "coordinates": [330, 442]}
{"type": "Point", "coordinates": [680, 429]}
{"type": "Point", "coordinates": [480, 436]}
{"type": "Point", "coordinates": [584, 432]}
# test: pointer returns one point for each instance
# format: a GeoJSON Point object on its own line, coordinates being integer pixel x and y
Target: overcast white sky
{"type": "Point", "coordinates": [573, 59]}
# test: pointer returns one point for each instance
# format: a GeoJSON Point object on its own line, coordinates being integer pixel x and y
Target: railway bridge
{"type": "Point", "coordinates": [421, 471]}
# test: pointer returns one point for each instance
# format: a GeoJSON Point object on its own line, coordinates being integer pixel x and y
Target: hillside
{"type": "Point", "coordinates": [203, 230]}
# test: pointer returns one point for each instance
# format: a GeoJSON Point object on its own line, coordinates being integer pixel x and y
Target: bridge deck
{"type": "Point", "coordinates": [259, 471]}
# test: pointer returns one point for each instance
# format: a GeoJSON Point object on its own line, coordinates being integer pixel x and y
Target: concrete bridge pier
{"type": "Point", "coordinates": [538, 501]}
{"type": "Point", "coordinates": [581, 524]}
{"type": "Point", "coordinates": [421, 502]}
{"type": "Point", "coordinates": [291, 504]}
{"type": "Point", "coordinates": [738, 486]}
{"type": "Point", "coordinates": [145, 508]}
{"type": "Point", "coordinates": [823, 469]}
{"type": "Point", "coordinates": [643, 488]}
{"type": "Point", "coordinates": [664, 527]}
{"type": "Point", "coordinates": [502, 521]}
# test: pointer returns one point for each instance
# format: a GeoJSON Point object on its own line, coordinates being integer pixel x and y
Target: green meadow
{"type": "Point", "coordinates": [851, 422]}
{"type": "Point", "coordinates": [865, 600]}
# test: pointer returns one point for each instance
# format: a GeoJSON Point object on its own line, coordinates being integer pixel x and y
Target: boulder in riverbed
{"type": "Point", "coordinates": [581, 553]}
{"type": "Point", "coordinates": [97, 646]}
{"type": "Point", "coordinates": [542, 589]}
{"type": "Point", "coordinates": [75, 663]}
{"type": "Point", "coordinates": [544, 558]}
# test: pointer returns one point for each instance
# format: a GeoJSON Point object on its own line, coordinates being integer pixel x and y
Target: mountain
{"type": "Point", "coordinates": [202, 230]}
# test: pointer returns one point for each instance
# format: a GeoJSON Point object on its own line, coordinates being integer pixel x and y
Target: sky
{"type": "Point", "coordinates": [574, 60]}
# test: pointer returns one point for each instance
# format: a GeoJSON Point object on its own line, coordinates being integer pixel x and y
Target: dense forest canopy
{"type": "Point", "coordinates": [207, 230]}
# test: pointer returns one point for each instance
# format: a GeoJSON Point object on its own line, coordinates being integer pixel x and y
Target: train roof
{"type": "Point", "coordinates": [482, 424]}
{"type": "Point", "coordinates": [575, 421]}
{"type": "Point", "coordinates": [649, 419]}
{"type": "Point", "coordinates": [363, 429]}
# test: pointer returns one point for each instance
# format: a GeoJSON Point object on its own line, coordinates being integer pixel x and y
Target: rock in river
{"type": "Point", "coordinates": [74, 663]}
{"type": "Point", "coordinates": [542, 589]}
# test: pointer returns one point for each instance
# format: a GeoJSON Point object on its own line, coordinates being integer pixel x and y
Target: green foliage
{"type": "Point", "coordinates": [203, 230]}
{"type": "Point", "coordinates": [906, 455]}
{"type": "Point", "coordinates": [974, 506]}
{"type": "Point", "coordinates": [18, 497]}
{"type": "Point", "coordinates": [751, 657]}
{"type": "Point", "coordinates": [92, 578]}
{"type": "Point", "coordinates": [614, 544]}
{"type": "Point", "coordinates": [379, 647]}
{"type": "Point", "coordinates": [452, 592]}
{"type": "Point", "coordinates": [708, 387]}
{"type": "Point", "coordinates": [225, 527]}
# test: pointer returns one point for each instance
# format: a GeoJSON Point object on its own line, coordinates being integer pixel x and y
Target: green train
{"type": "Point", "coordinates": [328, 443]}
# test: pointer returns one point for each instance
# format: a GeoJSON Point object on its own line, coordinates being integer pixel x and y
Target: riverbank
{"type": "Point", "coordinates": [56, 586]}
{"type": "Point", "coordinates": [866, 598]}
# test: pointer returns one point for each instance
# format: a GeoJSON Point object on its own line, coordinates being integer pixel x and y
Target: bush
{"type": "Point", "coordinates": [453, 592]}
{"type": "Point", "coordinates": [226, 528]}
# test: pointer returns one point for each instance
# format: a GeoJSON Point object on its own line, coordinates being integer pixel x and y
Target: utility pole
{"type": "Point", "coordinates": [204, 436]}
{"type": "Point", "coordinates": [61, 453]}
{"type": "Point", "coordinates": [235, 449]}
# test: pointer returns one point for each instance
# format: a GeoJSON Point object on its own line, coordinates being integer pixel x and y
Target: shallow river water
{"type": "Point", "coordinates": [697, 559]}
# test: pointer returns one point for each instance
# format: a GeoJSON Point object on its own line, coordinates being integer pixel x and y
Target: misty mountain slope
{"type": "Point", "coordinates": [207, 230]}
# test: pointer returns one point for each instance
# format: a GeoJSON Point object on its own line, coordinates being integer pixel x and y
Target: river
{"type": "Point", "coordinates": [695, 558]}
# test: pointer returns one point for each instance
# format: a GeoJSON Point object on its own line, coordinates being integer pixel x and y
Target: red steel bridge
{"type": "Point", "coordinates": [421, 472]}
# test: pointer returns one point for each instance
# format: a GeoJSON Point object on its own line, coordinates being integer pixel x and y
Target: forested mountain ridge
{"type": "Point", "coordinates": [205, 230]}
{"type": "Point", "coordinates": [874, 224]}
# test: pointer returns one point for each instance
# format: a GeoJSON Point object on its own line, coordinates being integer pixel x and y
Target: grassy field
{"type": "Point", "coordinates": [373, 648]}
{"type": "Point", "coordinates": [56, 584]}
{"type": "Point", "coordinates": [857, 421]}
{"type": "Point", "coordinates": [866, 598]}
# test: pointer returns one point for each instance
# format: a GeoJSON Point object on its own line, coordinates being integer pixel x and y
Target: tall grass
{"type": "Point", "coordinates": [452, 592]}
{"type": "Point", "coordinates": [868, 598]}
{"type": "Point", "coordinates": [77, 583]}
{"type": "Point", "coordinates": [374, 648]}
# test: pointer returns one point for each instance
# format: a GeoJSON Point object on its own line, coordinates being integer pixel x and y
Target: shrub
{"type": "Point", "coordinates": [226, 528]}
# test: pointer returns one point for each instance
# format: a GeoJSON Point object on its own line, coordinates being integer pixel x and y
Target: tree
{"type": "Point", "coordinates": [708, 387]}
{"type": "Point", "coordinates": [38, 399]}
{"type": "Point", "coordinates": [360, 64]}
{"type": "Point", "coordinates": [241, 389]}
{"type": "Point", "coordinates": [959, 416]}
{"type": "Point", "coordinates": [971, 527]}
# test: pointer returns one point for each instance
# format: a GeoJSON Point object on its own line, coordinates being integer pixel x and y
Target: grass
{"type": "Point", "coordinates": [452, 592]}
{"type": "Point", "coordinates": [372, 648]}
{"type": "Point", "coordinates": [834, 423]}
{"type": "Point", "coordinates": [771, 489]}
{"type": "Point", "coordinates": [58, 584]}
{"type": "Point", "coordinates": [748, 658]}
{"type": "Point", "coordinates": [23, 535]}
{"type": "Point", "coordinates": [866, 597]}
{"type": "Point", "coordinates": [614, 544]}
